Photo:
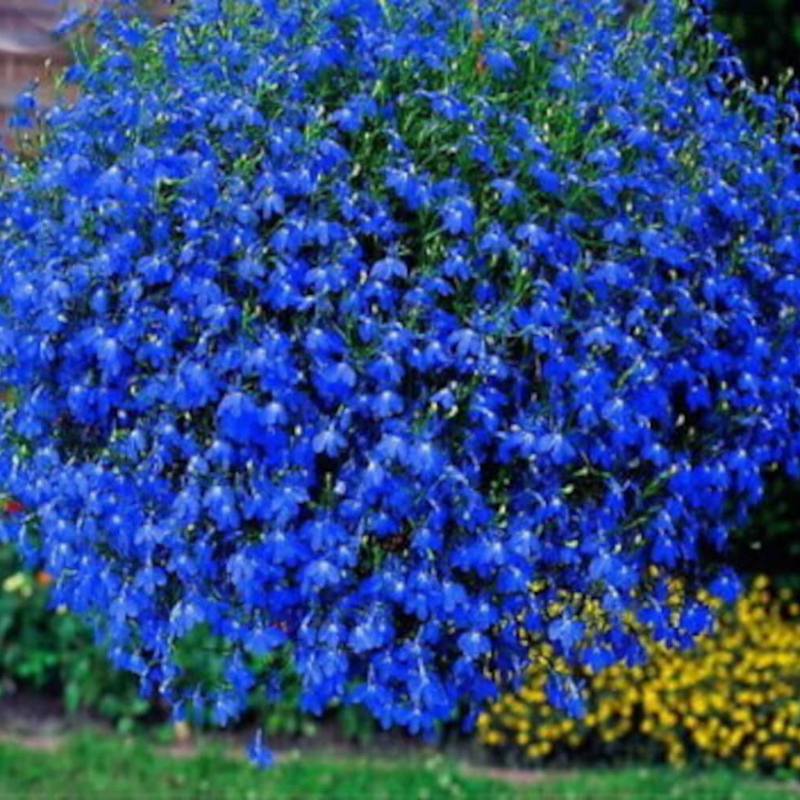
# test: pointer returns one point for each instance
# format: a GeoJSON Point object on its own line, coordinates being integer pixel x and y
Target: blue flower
{"type": "Point", "coordinates": [727, 586]}
{"type": "Point", "coordinates": [507, 189]}
{"type": "Point", "coordinates": [220, 501]}
{"type": "Point", "coordinates": [261, 641]}
{"type": "Point", "coordinates": [258, 753]}
{"type": "Point", "coordinates": [566, 631]}
{"type": "Point", "coordinates": [500, 63]}
{"type": "Point", "coordinates": [329, 441]}
{"type": "Point", "coordinates": [458, 216]}
{"type": "Point", "coordinates": [474, 644]}
{"type": "Point", "coordinates": [387, 404]}
{"type": "Point", "coordinates": [350, 354]}
{"type": "Point", "coordinates": [696, 619]}
{"type": "Point", "coordinates": [239, 418]}
{"type": "Point", "coordinates": [388, 268]}
{"type": "Point", "coordinates": [566, 693]}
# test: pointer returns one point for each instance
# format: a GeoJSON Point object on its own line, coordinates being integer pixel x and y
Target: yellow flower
{"type": "Point", "coordinates": [733, 696]}
{"type": "Point", "coordinates": [15, 583]}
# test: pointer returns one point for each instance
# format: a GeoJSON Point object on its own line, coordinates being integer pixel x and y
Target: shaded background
{"type": "Point", "coordinates": [768, 31]}
{"type": "Point", "coordinates": [29, 53]}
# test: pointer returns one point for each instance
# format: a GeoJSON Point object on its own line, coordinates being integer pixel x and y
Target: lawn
{"type": "Point", "coordinates": [90, 767]}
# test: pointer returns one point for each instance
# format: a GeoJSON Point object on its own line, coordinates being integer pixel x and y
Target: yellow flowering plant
{"type": "Point", "coordinates": [734, 697]}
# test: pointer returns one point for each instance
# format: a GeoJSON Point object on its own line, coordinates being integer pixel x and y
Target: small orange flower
{"type": "Point", "coordinates": [44, 578]}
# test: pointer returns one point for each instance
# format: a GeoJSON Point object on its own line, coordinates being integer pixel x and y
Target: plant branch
{"type": "Point", "coordinates": [477, 24]}
{"type": "Point", "coordinates": [477, 34]}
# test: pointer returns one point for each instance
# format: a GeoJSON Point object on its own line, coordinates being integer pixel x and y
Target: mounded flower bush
{"type": "Point", "coordinates": [398, 338]}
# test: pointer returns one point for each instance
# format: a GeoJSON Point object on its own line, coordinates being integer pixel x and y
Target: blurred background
{"type": "Point", "coordinates": [730, 706]}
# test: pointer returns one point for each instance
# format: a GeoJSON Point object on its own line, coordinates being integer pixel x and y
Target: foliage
{"type": "Point", "coordinates": [94, 768]}
{"type": "Point", "coordinates": [768, 31]}
{"type": "Point", "coordinates": [768, 543]}
{"type": "Point", "coordinates": [734, 698]}
{"type": "Point", "coordinates": [334, 326]}
{"type": "Point", "coordinates": [52, 651]}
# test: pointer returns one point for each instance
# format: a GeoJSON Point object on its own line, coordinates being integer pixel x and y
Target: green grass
{"type": "Point", "coordinates": [109, 768]}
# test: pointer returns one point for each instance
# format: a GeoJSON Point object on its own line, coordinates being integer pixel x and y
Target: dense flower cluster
{"type": "Point", "coordinates": [733, 698]}
{"type": "Point", "coordinates": [334, 326]}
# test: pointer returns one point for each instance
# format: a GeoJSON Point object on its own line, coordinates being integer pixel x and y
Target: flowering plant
{"type": "Point", "coordinates": [733, 697]}
{"type": "Point", "coordinates": [332, 327]}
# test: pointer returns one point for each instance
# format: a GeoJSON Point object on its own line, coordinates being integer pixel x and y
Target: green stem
{"type": "Point", "coordinates": [477, 25]}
